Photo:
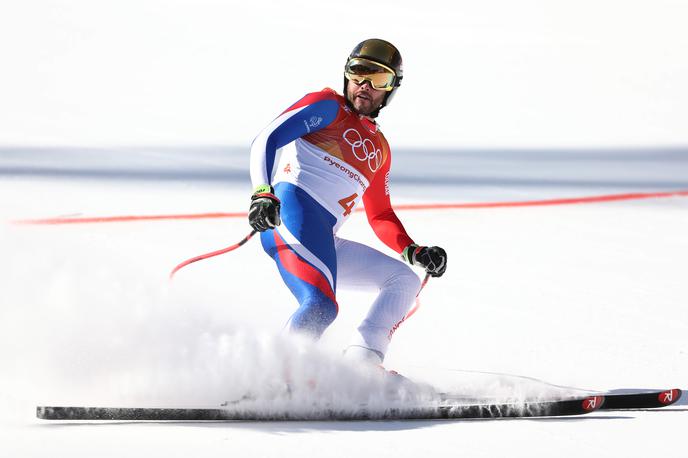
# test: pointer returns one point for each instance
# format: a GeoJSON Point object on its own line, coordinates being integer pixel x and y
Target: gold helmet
{"type": "Point", "coordinates": [379, 62]}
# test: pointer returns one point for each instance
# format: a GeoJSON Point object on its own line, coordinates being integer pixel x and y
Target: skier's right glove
{"type": "Point", "coordinates": [264, 213]}
{"type": "Point", "coordinates": [433, 259]}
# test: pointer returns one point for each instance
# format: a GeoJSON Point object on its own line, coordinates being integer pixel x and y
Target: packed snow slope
{"type": "Point", "coordinates": [536, 301]}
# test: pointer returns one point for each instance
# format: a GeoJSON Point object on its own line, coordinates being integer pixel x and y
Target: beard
{"type": "Point", "coordinates": [363, 105]}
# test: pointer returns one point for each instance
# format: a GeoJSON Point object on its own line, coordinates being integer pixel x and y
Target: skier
{"type": "Point", "coordinates": [333, 156]}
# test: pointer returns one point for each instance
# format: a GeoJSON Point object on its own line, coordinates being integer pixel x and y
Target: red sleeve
{"type": "Point", "coordinates": [380, 214]}
{"type": "Point", "coordinates": [314, 97]}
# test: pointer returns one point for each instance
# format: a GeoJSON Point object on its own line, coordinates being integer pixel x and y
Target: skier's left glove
{"type": "Point", "coordinates": [265, 209]}
{"type": "Point", "coordinates": [433, 259]}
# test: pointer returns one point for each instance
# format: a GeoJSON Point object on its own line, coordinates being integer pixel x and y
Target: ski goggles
{"type": "Point", "coordinates": [380, 76]}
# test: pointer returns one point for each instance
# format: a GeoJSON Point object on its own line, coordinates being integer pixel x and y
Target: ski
{"type": "Point", "coordinates": [612, 401]}
{"type": "Point", "coordinates": [645, 400]}
{"type": "Point", "coordinates": [555, 408]}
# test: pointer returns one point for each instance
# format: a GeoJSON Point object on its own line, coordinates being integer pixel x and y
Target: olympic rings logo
{"type": "Point", "coordinates": [363, 149]}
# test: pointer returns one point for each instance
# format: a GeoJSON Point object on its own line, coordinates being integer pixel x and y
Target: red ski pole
{"type": "Point", "coordinates": [415, 308]}
{"type": "Point", "coordinates": [211, 254]}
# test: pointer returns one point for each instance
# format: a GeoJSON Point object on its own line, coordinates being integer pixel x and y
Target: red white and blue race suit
{"type": "Point", "coordinates": [332, 159]}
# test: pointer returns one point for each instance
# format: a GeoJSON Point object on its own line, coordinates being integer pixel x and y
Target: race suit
{"type": "Point", "coordinates": [331, 158]}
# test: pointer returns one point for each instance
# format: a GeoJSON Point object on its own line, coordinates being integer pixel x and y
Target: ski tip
{"type": "Point", "coordinates": [669, 397]}
{"type": "Point", "coordinates": [592, 403]}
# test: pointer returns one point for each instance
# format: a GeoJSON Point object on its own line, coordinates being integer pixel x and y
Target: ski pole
{"type": "Point", "coordinates": [211, 254]}
{"type": "Point", "coordinates": [415, 308]}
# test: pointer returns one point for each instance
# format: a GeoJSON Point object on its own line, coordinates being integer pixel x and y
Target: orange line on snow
{"type": "Point", "coordinates": [536, 203]}
{"type": "Point", "coordinates": [122, 219]}
{"type": "Point", "coordinates": [438, 206]}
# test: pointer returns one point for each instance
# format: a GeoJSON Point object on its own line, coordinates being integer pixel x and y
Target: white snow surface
{"type": "Point", "coordinates": [537, 301]}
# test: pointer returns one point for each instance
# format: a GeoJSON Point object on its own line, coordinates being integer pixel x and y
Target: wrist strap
{"type": "Point", "coordinates": [267, 195]}
{"type": "Point", "coordinates": [408, 253]}
{"type": "Point", "coordinates": [264, 191]}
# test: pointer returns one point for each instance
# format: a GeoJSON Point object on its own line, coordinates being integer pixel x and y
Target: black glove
{"type": "Point", "coordinates": [433, 259]}
{"type": "Point", "coordinates": [265, 209]}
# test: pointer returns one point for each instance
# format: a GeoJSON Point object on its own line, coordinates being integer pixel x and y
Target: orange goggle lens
{"type": "Point", "coordinates": [379, 76]}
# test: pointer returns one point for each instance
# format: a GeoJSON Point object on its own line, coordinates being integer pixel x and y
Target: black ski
{"type": "Point", "coordinates": [612, 401]}
{"type": "Point", "coordinates": [566, 407]}
{"type": "Point", "coordinates": [647, 400]}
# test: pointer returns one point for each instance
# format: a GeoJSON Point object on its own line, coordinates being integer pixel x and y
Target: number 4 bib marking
{"type": "Point", "coordinates": [348, 203]}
